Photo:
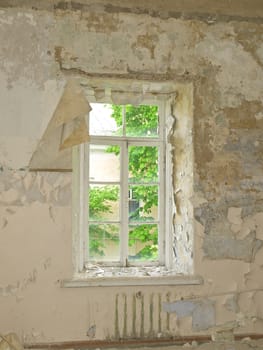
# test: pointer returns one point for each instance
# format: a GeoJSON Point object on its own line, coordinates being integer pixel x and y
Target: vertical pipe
{"type": "Point", "coordinates": [142, 316]}
{"type": "Point", "coordinates": [134, 333]}
{"type": "Point", "coordinates": [117, 329]}
{"type": "Point", "coordinates": [159, 313]}
{"type": "Point", "coordinates": [125, 316]}
{"type": "Point", "coordinates": [151, 314]}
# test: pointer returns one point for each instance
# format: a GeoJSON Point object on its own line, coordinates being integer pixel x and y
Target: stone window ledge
{"type": "Point", "coordinates": [171, 280]}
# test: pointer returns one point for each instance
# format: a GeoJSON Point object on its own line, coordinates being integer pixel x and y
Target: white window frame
{"type": "Point", "coordinates": [123, 141]}
{"type": "Point", "coordinates": [176, 270]}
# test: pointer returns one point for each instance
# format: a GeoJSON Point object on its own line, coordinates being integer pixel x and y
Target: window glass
{"type": "Point", "coordinates": [123, 184]}
{"type": "Point", "coordinates": [104, 241]}
{"type": "Point", "coordinates": [147, 199]}
{"type": "Point", "coordinates": [123, 120]}
{"type": "Point", "coordinates": [104, 163]}
{"type": "Point", "coordinates": [143, 164]}
{"type": "Point", "coordinates": [141, 121]}
{"type": "Point", "coordinates": [143, 242]}
{"type": "Point", "coordinates": [104, 202]}
{"type": "Point", "coordinates": [101, 121]}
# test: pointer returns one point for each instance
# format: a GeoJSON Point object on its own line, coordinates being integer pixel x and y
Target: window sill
{"type": "Point", "coordinates": [172, 280]}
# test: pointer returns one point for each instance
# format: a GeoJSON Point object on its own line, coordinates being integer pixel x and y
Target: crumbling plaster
{"type": "Point", "coordinates": [223, 60]}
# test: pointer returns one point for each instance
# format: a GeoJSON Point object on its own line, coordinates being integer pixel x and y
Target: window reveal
{"type": "Point", "coordinates": [175, 222]}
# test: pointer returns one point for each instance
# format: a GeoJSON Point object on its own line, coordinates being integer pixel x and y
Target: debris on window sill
{"type": "Point", "coordinates": [129, 276]}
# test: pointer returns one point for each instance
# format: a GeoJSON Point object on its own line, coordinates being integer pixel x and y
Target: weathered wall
{"type": "Point", "coordinates": [38, 50]}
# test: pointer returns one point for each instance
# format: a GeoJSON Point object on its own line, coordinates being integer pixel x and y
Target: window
{"type": "Point", "coordinates": [133, 186]}
{"type": "Point", "coordinates": [125, 185]}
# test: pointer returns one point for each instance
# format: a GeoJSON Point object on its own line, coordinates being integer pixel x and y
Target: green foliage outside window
{"type": "Point", "coordinates": [99, 204]}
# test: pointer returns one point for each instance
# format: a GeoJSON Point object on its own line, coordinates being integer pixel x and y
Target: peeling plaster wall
{"type": "Point", "coordinates": [223, 60]}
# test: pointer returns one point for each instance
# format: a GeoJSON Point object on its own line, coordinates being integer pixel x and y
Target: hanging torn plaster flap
{"type": "Point", "coordinates": [66, 129]}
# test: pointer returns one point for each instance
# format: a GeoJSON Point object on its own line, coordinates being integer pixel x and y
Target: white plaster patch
{"type": "Point", "coordinates": [247, 226]}
{"type": "Point", "coordinates": [231, 303]}
{"type": "Point", "coordinates": [6, 20]}
{"type": "Point", "coordinates": [9, 196]}
{"type": "Point", "coordinates": [259, 53]}
{"type": "Point", "coordinates": [25, 112]}
{"type": "Point", "coordinates": [235, 79]}
{"type": "Point", "coordinates": [259, 116]}
{"type": "Point", "coordinates": [30, 18]}
{"type": "Point", "coordinates": [15, 152]}
{"type": "Point", "coordinates": [234, 216]}
{"type": "Point", "coordinates": [236, 228]}
{"type": "Point", "coordinates": [259, 225]}
{"type": "Point", "coordinates": [198, 200]}
{"type": "Point", "coordinates": [28, 180]}
{"type": "Point", "coordinates": [24, 45]}
{"type": "Point", "coordinates": [245, 230]}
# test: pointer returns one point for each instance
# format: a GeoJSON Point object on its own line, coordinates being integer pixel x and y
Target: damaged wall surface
{"type": "Point", "coordinates": [40, 47]}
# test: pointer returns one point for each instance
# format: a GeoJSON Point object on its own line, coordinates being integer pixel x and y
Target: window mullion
{"type": "Point", "coordinates": [124, 205]}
